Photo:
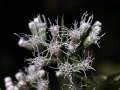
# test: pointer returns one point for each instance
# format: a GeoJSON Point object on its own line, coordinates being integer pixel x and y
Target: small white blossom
{"type": "Point", "coordinates": [42, 24]}
{"type": "Point", "coordinates": [85, 64]}
{"type": "Point", "coordinates": [40, 73]}
{"type": "Point", "coordinates": [31, 69]}
{"type": "Point", "coordinates": [22, 42]}
{"type": "Point", "coordinates": [32, 40]}
{"type": "Point", "coordinates": [10, 88]}
{"type": "Point", "coordinates": [16, 88]}
{"type": "Point", "coordinates": [21, 84]}
{"type": "Point", "coordinates": [53, 48]}
{"type": "Point", "coordinates": [38, 24]}
{"type": "Point", "coordinates": [66, 69]}
{"type": "Point", "coordinates": [31, 25]}
{"type": "Point", "coordinates": [42, 84]}
{"type": "Point", "coordinates": [8, 84]}
{"type": "Point", "coordinates": [97, 23]}
{"type": "Point", "coordinates": [96, 30]}
{"type": "Point", "coordinates": [71, 46]}
{"type": "Point", "coordinates": [19, 76]}
{"type": "Point", "coordinates": [54, 29]}
{"type": "Point", "coordinates": [29, 76]}
{"type": "Point", "coordinates": [37, 61]}
{"type": "Point", "coordinates": [93, 37]}
{"type": "Point", "coordinates": [85, 25]}
{"type": "Point", "coordinates": [7, 79]}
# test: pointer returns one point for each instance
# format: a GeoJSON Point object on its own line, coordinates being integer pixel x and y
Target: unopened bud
{"type": "Point", "coordinates": [36, 20]}
{"type": "Point", "coordinates": [31, 25]}
{"type": "Point", "coordinates": [54, 30]}
{"type": "Point", "coordinates": [16, 88]}
{"type": "Point", "coordinates": [41, 73]}
{"type": "Point", "coordinates": [96, 30]}
{"type": "Point", "coordinates": [7, 79]}
{"type": "Point", "coordinates": [97, 23]}
{"type": "Point", "coordinates": [10, 88]}
{"type": "Point", "coordinates": [21, 84]}
{"type": "Point", "coordinates": [31, 68]}
{"type": "Point", "coordinates": [21, 42]}
{"type": "Point", "coordinates": [19, 76]}
{"type": "Point", "coordinates": [58, 74]}
{"type": "Point", "coordinates": [8, 84]}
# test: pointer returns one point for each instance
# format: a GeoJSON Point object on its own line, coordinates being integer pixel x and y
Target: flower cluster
{"type": "Point", "coordinates": [63, 43]}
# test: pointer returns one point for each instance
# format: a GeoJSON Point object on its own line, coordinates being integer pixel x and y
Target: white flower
{"type": "Point", "coordinates": [96, 30]}
{"type": "Point", "coordinates": [93, 37]}
{"type": "Point", "coordinates": [85, 25]}
{"type": "Point", "coordinates": [66, 69]}
{"type": "Point", "coordinates": [42, 84]}
{"type": "Point", "coordinates": [71, 46]}
{"type": "Point", "coordinates": [31, 25]}
{"type": "Point", "coordinates": [74, 33]}
{"type": "Point", "coordinates": [39, 24]}
{"type": "Point", "coordinates": [19, 76]}
{"type": "Point", "coordinates": [21, 84]}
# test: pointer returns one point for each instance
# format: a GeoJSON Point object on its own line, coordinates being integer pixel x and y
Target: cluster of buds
{"type": "Point", "coordinates": [9, 84]}
{"type": "Point", "coordinates": [63, 43]}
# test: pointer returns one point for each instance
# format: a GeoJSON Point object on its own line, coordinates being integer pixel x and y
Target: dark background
{"type": "Point", "coordinates": [15, 15]}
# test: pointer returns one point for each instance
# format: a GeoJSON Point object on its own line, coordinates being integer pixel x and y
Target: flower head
{"type": "Point", "coordinates": [71, 46]}
{"type": "Point", "coordinates": [85, 25]}
{"type": "Point", "coordinates": [74, 33]}
{"type": "Point", "coordinates": [66, 69]}
{"type": "Point", "coordinates": [86, 63]}
{"type": "Point", "coordinates": [93, 37]}
{"type": "Point", "coordinates": [54, 29]}
{"type": "Point", "coordinates": [37, 23]}
{"type": "Point", "coordinates": [41, 84]}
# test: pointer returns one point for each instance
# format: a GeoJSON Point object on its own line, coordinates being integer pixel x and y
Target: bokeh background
{"type": "Point", "coordinates": [14, 18]}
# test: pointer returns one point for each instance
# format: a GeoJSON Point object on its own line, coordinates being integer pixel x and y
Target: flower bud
{"type": "Point", "coordinates": [54, 30]}
{"type": "Point", "coordinates": [8, 84]}
{"type": "Point", "coordinates": [92, 38]}
{"type": "Point", "coordinates": [41, 73]}
{"type": "Point", "coordinates": [16, 88]}
{"type": "Point", "coordinates": [21, 84]}
{"type": "Point", "coordinates": [19, 76]}
{"type": "Point", "coordinates": [36, 20]}
{"type": "Point", "coordinates": [97, 23]}
{"type": "Point", "coordinates": [58, 74]}
{"type": "Point", "coordinates": [31, 69]}
{"type": "Point", "coordinates": [10, 88]}
{"type": "Point", "coordinates": [21, 42]}
{"type": "Point", "coordinates": [84, 26]}
{"type": "Point", "coordinates": [7, 79]}
{"type": "Point", "coordinates": [31, 25]}
{"type": "Point", "coordinates": [96, 30]}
